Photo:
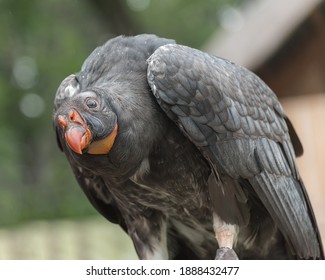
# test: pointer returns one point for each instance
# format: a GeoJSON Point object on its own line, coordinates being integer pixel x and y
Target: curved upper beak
{"type": "Point", "coordinates": [77, 139]}
{"type": "Point", "coordinates": [77, 133]}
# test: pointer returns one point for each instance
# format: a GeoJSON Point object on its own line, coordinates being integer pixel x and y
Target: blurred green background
{"type": "Point", "coordinates": [41, 43]}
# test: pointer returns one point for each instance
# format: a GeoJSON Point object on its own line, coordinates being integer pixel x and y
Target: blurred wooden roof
{"type": "Point", "coordinates": [255, 32]}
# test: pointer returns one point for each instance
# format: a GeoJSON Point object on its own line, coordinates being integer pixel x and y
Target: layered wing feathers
{"type": "Point", "coordinates": [238, 124]}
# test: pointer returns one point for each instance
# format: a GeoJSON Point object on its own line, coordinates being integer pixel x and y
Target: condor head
{"type": "Point", "coordinates": [88, 123]}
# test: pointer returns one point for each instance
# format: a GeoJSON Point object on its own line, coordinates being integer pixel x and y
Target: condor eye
{"type": "Point", "coordinates": [91, 103]}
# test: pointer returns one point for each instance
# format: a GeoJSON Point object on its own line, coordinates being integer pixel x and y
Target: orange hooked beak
{"type": "Point", "coordinates": [77, 134]}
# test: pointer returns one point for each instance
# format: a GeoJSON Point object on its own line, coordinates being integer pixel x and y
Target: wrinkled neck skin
{"type": "Point", "coordinates": [140, 128]}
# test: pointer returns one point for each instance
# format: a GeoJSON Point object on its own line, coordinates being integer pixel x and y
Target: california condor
{"type": "Point", "coordinates": [191, 154]}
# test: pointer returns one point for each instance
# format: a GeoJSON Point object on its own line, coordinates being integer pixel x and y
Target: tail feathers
{"type": "Point", "coordinates": [286, 202]}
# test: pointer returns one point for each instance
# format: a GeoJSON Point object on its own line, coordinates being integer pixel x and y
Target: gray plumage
{"type": "Point", "coordinates": [197, 135]}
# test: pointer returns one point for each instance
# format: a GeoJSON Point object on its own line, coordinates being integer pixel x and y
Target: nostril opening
{"type": "Point", "coordinates": [72, 116]}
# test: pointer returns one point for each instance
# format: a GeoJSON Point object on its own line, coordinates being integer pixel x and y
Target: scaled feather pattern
{"type": "Point", "coordinates": [197, 142]}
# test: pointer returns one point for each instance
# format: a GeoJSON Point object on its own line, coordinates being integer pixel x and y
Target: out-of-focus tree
{"type": "Point", "coordinates": [41, 43]}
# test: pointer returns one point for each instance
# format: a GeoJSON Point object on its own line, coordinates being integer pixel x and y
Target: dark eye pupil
{"type": "Point", "coordinates": [91, 103]}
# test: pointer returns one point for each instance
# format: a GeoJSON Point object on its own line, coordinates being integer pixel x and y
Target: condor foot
{"type": "Point", "coordinates": [225, 253]}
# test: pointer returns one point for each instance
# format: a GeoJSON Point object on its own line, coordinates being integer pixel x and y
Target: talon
{"type": "Point", "coordinates": [225, 253]}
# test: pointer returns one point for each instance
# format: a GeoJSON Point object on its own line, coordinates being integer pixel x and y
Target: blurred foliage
{"type": "Point", "coordinates": [41, 43]}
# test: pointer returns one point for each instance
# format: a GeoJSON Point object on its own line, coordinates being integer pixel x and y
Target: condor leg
{"type": "Point", "coordinates": [226, 235]}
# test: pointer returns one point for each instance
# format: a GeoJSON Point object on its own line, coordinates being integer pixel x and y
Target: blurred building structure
{"type": "Point", "coordinates": [283, 42]}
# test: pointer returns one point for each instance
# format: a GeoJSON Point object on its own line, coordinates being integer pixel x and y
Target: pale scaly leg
{"type": "Point", "coordinates": [226, 235]}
